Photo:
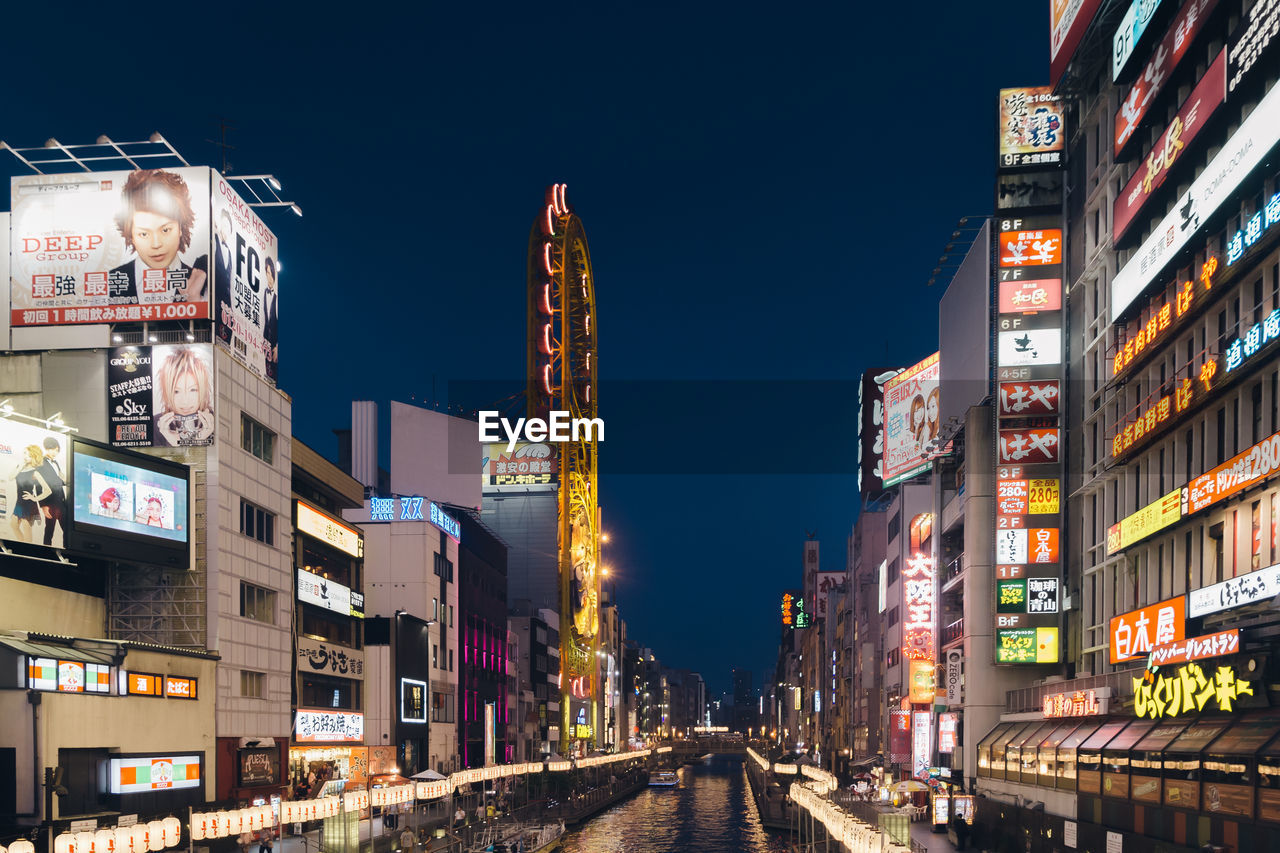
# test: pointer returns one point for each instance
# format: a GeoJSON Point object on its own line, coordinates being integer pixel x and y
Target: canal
{"type": "Point", "coordinates": [711, 812]}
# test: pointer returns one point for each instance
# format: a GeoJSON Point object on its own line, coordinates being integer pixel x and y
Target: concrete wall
{"type": "Point", "coordinates": [236, 474]}
{"type": "Point", "coordinates": [435, 455]}
{"type": "Point", "coordinates": [30, 607]}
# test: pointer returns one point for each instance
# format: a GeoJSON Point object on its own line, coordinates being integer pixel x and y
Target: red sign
{"type": "Point", "coordinates": [1011, 497]}
{"type": "Point", "coordinates": [1031, 295]}
{"type": "Point", "coordinates": [1031, 248]}
{"type": "Point", "coordinates": [1029, 399]}
{"type": "Point", "coordinates": [1042, 544]}
{"type": "Point", "coordinates": [1200, 105]}
{"type": "Point", "coordinates": [1137, 632]}
{"type": "Point", "coordinates": [1082, 703]}
{"type": "Point", "coordinates": [1164, 58]}
{"type": "Point", "coordinates": [1028, 446]}
{"type": "Point", "coordinates": [1236, 474]}
{"type": "Point", "coordinates": [1068, 21]}
{"type": "Point", "coordinates": [1197, 648]}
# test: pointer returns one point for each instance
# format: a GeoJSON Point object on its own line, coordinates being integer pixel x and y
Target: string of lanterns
{"type": "Point", "coordinates": [220, 824]}
{"type": "Point", "coordinates": [152, 836]}
{"type": "Point", "coordinates": [855, 835]}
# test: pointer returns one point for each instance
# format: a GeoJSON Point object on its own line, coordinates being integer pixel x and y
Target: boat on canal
{"type": "Point", "coordinates": [664, 779]}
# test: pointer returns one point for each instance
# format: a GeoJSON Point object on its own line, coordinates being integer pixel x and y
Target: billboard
{"type": "Point", "coordinates": [826, 584]}
{"type": "Point", "coordinates": [1136, 633]}
{"type": "Point", "coordinates": [139, 775]}
{"type": "Point", "coordinates": [1251, 588]}
{"type": "Point", "coordinates": [1068, 21]}
{"type": "Point", "coordinates": [912, 408]}
{"type": "Point", "coordinates": [1031, 130]}
{"type": "Point", "coordinates": [109, 247]}
{"type": "Point", "coordinates": [1149, 520]}
{"type": "Point", "coordinates": [135, 498]}
{"type": "Point", "coordinates": [1216, 183]}
{"type": "Point", "coordinates": [529, 464]}
{"type": "Point", "coordinates": [871, 430]}
{"type": "Point", "coordinates": [1164, 59]}
{"type": "Point", "coordinates": [1134, 23]}
{"type": "Point", "coordinates": [246, 274]}
{"type": "Point", "coordinates": [1196, 111]}
{"type": "Point", "coordinates": [34, 473]}
{"type": "Point", "coordinates": [1235, 475]}
{"type": "Point", "coordinates": [160, 396]}
{"type": "Point", "coordinates": [1255, 33]}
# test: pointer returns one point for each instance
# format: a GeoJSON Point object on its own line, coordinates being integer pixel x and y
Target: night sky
{"type": "Point", "coordinates": [765, 188]}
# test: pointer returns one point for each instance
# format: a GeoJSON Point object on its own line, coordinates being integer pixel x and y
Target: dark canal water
{"type": "Point", "coordinates": [710, 812]}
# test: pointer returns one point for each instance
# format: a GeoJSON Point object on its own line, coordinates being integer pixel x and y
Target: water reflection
{"type": "Point", "coordinates": [710, 812]}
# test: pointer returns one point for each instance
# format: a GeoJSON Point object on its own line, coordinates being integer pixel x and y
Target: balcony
{"type": "Point", "coordinates": [953, 571]}
{"type": "Point", "coordinates": [953, 632]}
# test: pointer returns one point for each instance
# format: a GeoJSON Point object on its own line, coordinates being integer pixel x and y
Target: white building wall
{"type": "Point", "coordinates": [235, 474]}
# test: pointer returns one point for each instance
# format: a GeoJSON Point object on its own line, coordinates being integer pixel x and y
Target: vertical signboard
{"type": "Point", "coordinates": [1028, 429]}
{"type": "Point", "coordinates": [246, 273]}
{"type": "Point", "coordinates": [871, 430]}
{"type": "Point", "coordinates": [160, 396]}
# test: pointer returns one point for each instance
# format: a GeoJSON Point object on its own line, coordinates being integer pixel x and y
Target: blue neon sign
{"type": "Point", "coordinates": [1248, 344]}
{"type": "Point", "coordinates": [1253, 229]}
{"type": "Point", "coordinates": [412, 509]}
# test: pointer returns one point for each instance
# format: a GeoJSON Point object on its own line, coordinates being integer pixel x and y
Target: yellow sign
{"type": "Point", "coordinates": [328, 529]}
{"type": "Point", "coordinates": [1042, 497]}
{"type": "Point", "coordinates": [1187, 690]}
{"type": "Point", "coordinates": [923, 681]}
{"type": "Point", "coordinates": [1151, 519]}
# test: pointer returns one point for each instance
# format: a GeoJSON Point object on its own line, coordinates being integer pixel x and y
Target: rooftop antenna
{"type": "Point", "coordinates": [221, 143]}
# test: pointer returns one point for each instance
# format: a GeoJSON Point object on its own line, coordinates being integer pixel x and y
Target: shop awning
{"type": "Point", "coordinates": [1058, 735]}
{"type": "Point", "coordinates": [996, 732]}
{"type": "Point", "coordinates": [1035, 734]}
{"type": "Point", "coordinates": [1197, 735]}
{"type": "Point", "coordinates": [58, 652]}
{"type": "Point", "coordinates": [1130, 735]}
{"type": "Point", "coordinates": [1247, 735]}
{"type": "Point", "coordinates": [1081, 734]}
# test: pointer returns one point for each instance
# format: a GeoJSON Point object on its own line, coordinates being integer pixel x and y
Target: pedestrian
{"type": "Point", "coordinates": [265, 841]}
{"type": "Point", "coordinates": [459, 817]}
{"type": "Point", "coordinates": [245, 841]}
{"type": "Point", "coordinates": [407, 841]}
{"type": "Point", "coordinates": [480, 813]}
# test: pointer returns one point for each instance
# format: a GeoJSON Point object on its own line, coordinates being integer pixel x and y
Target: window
{"type": "Point", "coordinates": [257, 603]}
{"type": "Point", "coordinates": [451, 606]}
{"type": "Point", "coordinates": [892, 617]}
{"type": "Point", "coordinates": [892, 658]}
{"type": "Point", "coordinates": [441, 708]}
{"type": "Point", "coordinates": [451, 660]}
{"type": "Point", "coordinates": [257, 523]}
{"type": "Point", "coordinates": [319, 691]}
{"type": "Point", "coordinates": [257, 439]}
{"type": "Point", "coordinates": [435, 656]}
{"type": "Point", "coordinates": [443, 568]}
{"type": "Point", "coordinates": [253, 685]}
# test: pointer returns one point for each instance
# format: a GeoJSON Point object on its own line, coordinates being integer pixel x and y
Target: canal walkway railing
{"type": "Point", "coordinates": [821, 815]}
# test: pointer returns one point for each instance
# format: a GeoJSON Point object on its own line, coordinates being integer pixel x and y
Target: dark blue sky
{"type": "Point", "coordinates": [765, 187]}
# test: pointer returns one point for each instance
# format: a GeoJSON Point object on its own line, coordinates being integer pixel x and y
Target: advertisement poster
{"type": "Point", "coordinates": [1030, 127]}
{"type": "Point", "coordinates": [160, 396]}
{"type": "Point", "coordinates": [33, 483]}
{"type": "Point", "coordinates": [110, 247]}
{"type": "Point", "coordinates": [246, 276]}
{"type": "Point", "coordinates": [912, 403]}
{"type": "Point", "coordinates": [259, 766]}
{"type": "Point", "coordinates": [871, 429]}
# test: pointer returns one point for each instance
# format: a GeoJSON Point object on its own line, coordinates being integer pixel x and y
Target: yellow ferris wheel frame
{"type": "Point", "coordinates": [563, 366]}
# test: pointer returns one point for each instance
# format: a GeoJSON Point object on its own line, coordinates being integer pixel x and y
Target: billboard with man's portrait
{"type": "Point", "coordinates": [109, 247]}
{"type": "Point", "coordinates": [246, 275]}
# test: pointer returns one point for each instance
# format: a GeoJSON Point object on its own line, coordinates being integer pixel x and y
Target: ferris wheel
{"type": "Point", "coordinates": [562, 359]}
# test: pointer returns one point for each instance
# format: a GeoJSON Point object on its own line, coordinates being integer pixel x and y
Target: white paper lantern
{"type": "Point", "coordinates": [172, 831]}
{"type": "Point", "coordinates": [104, 841]}
{"type": "Point", "coordinates": [251, 819]}
{"type": "Point", "coordinates": [124, 839]}
{"type": "Point", "coordinates": [138, 840]}
{"type": "Point", "coordinates": [84, 842]}
{"type": "Point", "coordinates": [22, 845]}
{"type": "Point", "coordinates": [65, 842]}
{"type": "Point", "coordinates": [155, 836]}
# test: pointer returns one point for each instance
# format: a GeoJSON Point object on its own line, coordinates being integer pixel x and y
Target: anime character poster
{"type": "Point", "coordinates": [912, 407]}
{"type": "Point", "coordinates": [33, 483]}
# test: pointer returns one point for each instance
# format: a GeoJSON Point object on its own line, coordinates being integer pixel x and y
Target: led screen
{"type": "Point", "coordinates": [122, 500]}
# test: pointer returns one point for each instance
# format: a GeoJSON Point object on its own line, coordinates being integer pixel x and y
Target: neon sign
{"type": "Point", "coordinates": [917, 628]}
{"type": "Point", "coordinates": [1081, 703]}
{"type": "Point", "coordinates": [412, 509]}
{"type": "Point", "coordinates": [1165, 318]}
{"type": "Point", "coordinates": [1186, 691]}
{"type": "Point", "coordinates": [1247, 345]}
